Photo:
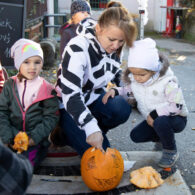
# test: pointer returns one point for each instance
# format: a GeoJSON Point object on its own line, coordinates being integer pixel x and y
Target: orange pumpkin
{"type": "Point", "coordinates": [146, 177]}
{"type": "Point", "coordinates": [21, 142]}
{"type": "Point", "coordinates": [102, 171]}
{"type": "Point", "coordinates": [110, 85]}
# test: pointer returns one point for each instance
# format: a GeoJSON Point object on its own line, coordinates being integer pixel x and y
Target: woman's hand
{"type": "Point", "coordinates": [150, 120]}
{"type": "Point", "coordinates": [110, 93]}
{"type": "Point", "coordinates": [95, 139]}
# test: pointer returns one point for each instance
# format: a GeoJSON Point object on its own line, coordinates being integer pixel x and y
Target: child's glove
{"type": "Point", "coordinates": [21, 142]}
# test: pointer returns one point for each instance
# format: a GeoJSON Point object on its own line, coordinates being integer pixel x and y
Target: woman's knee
{"type": "Point", "coordinates": [121, 109]}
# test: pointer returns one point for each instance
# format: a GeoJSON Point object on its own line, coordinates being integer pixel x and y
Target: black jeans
{"type": "Point", "coordinates": [164, 129]}
{"type": "Point", "coordinates": [108, 116]}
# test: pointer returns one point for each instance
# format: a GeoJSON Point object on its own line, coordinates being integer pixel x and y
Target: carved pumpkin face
{"type": "Point", "coordinates": [102, 171]}
{"type": "Point", "coordinates": [21, 142]}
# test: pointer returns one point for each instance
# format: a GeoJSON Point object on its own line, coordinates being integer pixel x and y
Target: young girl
{"type": "Point", "coordinates": [28, 102]}
{"type": "Point", "coordinates": [80, 9]}
{"type": "Point", "coordinates": [159, 99]}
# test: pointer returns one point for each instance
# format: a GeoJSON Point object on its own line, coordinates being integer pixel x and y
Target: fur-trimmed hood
{"type": "Point", "coordinates": [165, 66]}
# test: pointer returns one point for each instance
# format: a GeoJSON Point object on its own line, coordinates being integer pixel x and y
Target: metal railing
{"type": "Point", "coordinates": [46, 25]}
{"type": "Point", "coordinates": [98, 4]}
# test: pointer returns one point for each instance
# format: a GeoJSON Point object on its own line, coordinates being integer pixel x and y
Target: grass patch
{"type": "Point", "coordinates": [11, 72]}
{"type": "Point", "coordinates": [153, 34]}
{"type": "Point", "coordinates": [189, 37]}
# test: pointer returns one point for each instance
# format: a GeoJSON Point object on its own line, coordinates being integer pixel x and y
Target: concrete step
{"type": "Point", "coordinates": [73, 184]}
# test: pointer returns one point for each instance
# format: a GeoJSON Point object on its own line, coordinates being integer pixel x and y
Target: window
{"type": "Point", "coordinates": [98, 4]}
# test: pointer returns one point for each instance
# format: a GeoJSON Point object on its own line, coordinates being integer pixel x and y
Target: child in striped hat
{"type": "Point", "coordinates": [28, 102]}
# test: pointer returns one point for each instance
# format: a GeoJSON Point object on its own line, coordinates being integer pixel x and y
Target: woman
{"type": "Point", "coordinates": [90, 62]}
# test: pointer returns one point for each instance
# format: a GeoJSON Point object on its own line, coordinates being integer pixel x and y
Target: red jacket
{"type": "Point", "coordinates": [2, 78]}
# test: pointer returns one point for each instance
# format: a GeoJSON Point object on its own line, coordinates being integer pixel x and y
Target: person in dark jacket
{"type": "Point", "coordinates": [89, 62]}
{"type": "Point", "coordinates": [80, 9]}
{"type": "Point", "coordinates": [28, 102]}
{"type": "Point", "coordinates": [15, 172]}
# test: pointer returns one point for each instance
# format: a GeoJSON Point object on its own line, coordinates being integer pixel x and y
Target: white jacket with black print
{"type": "Point", "coordinates": [86, 70]}
{"type": "Point", "coordinates": [162, 97]}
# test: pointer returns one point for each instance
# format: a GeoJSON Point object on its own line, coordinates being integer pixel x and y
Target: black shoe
{"type": "Point", "coordinates": [57, 138]}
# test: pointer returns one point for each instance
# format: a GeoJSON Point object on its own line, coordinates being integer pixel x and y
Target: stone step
{"type": "Point", "coordinates": [73, 184]}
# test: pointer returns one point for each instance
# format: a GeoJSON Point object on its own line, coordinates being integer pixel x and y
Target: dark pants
{"type": "Point", "coordinates": [36, 154]}
{"type": "Point", "coordinates": [163, 131]}
{"type": "Point", "coordinates": [110, 115]}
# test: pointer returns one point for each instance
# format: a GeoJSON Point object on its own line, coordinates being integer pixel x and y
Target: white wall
{"type": "Point", "coordinates": [156, 15]}
{"type": "Point", "coordinates": [160, 15]}
{"type": "Point", "coordinates": [64, 6]}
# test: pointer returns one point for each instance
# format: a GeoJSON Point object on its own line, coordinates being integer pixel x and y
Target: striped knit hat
{"type": "Point", "coordinates": [23, 49]}
{"type": "Point", "coordinates": [80, 6]}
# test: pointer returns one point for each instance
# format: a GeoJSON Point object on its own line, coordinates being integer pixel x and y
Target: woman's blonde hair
{"type": "Point", "coordinates": [114, 4]}
{"type": "Point", "coordinates": [119, 16]}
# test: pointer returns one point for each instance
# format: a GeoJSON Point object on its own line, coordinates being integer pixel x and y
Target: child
{"type": "Point", "coordinates": [159, 99]}
{"type": "Point", "coordinates": [80, 9]}
{"type": "Point", "coordinates": [28, 102]}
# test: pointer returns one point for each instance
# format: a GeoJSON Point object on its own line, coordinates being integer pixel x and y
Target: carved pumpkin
{"type": "Point", "coordinates": [102, 171]}
{"type": "Point", "coordinates": [146, 177]}
{"type": "Point", "coordinates": [21, 142]}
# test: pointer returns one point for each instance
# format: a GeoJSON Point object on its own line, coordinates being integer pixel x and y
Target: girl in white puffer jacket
{"type": "Point", "coordinates": [159, 99]}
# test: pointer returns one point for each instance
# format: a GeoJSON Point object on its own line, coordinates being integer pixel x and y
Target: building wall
{"type": "Point", "coordinates": [156, 15]}
{"type": "Point", "coordinates": [64, 6]}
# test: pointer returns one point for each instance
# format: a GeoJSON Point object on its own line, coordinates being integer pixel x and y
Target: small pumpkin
{"type": "Point", "coordinates": [146, 177]}
{"type": "Point", "coordinates": [102, 171]}
{"type": "Point", "coordinates": [110, 85]}
{"type": "Point", "coordinates": [21, 142]}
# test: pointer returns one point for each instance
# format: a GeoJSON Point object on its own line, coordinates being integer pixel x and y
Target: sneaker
{"type": "Point", "coordinates": [157, 146]}
{"type": "Point", "coordinates": [168, 159]}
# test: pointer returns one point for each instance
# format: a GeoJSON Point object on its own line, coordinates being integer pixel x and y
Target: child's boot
{"type": "Point", "coordinates": [168, 159]}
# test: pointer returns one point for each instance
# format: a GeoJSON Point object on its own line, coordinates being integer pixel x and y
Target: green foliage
{"type": "Point", "coordinates": [189, 37]}
{"type": "Point", "coordinates": [187, 3]}
{"type": "Point", "coordinates": [11, 72]}
{"type": "Point", "coordinates": [153, 34]}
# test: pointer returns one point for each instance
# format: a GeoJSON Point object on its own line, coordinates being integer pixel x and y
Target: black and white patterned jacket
{"type": "Point", "coordinates": [86, 70]}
